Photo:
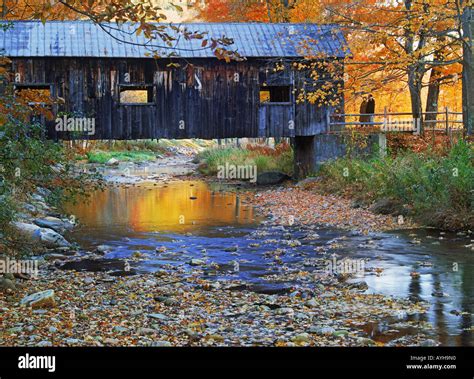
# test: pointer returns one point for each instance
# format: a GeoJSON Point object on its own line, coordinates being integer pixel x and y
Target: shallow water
{"type": "Point", "coordinates": [194, 220]}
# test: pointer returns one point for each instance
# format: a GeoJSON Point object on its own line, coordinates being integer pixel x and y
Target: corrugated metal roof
{"type": "Point", "coordinates": [86, 39]}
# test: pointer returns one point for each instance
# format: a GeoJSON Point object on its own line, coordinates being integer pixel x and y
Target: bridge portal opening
{"type": "Point", "coordinates": [136, 94]}
{"type": "Point", "coordinates": [275, 94]}
{"type": "Point", "coordinates": [35, 94]}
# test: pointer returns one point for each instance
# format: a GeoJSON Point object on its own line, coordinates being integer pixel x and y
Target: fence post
{"type": "Point", "coordinates": [446, 111]}
{"type": "Point", "coordinates": [328, 121]}
{"type": "Point", "coordinates": [385, 111]}
{"type": "Point", "coordinates": [417, 130]}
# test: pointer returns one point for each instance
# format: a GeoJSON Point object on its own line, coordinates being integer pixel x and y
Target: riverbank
{"type": "Point", "coordinates": [435, 189]}
{"type": "Point", "coordinates": [293, 205]}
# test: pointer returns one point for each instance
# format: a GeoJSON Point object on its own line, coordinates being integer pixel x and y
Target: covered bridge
{"type": "Point", "coordinates": [108, 74]}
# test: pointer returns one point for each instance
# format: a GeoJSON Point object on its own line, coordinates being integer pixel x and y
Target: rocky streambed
{"type": "Point", "coordinates": [166, 262]}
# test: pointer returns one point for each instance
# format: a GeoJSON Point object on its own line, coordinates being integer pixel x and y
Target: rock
{"type": "Point", "coordinates": [37, 197]}
{"type": "Point", "coordinates": [439, 294]}
{"type": "Point", "coordinates": [161, 273]}
{"type": "Point", "coordinates": [231, 249]}
{"type": "Point", "coordinates": [429, 343]}
{"type": "Point", "coordinates": [15, 330]}
{"type": "Point", "coordinates": [111, 341]}
{"type": "Point", "coordinates": [388, 207]}
{"type": "Point", "coordinates": [9, 275]}
{"type": "Point", "coordinates": [28, 230]}
{"type": "Point", "coordinates": [7, 284]}
{"type": "Point", "coordinates": [137, 255]}
{"type": "Point", "coordinates": [112, 162]}
{"type": "Point", "coordinates": [302, 337]}
{"type": "Point", "coordinates": [44, 299]}
{"type": "Point", "coordinates": [40, 311]}
{"type": "Point", "coordinates": [322, 330]}
{"type": "Point", "coordinates": [271, 177]}
{"type": "Point", "coordinates": [356, 204]}
{"type": "Point", "coordinates": [312, 303]}
{"type": "Point", "coordinates": [30, 208]}
{"type": "Point", "coordinates": [72, 341]}
{"type": "Point", "coordinates": [44, 192]}
{"type": "Point", "coordinates": [365, 341]}
{"type": "Point", "coordinates": [361, 286]}
{"type": "Point", "coordinates": [340, 333]}
{"type": "Point", "coordinates": [285, 311]}
{"type": "Point", "coordinates": [145, 331]}
{"type": "Point", "coordinates": [216, 337]}
{"type": "Point", "coordinates": [161, 344]}
{"type": "Point", "coordinates": [103, 249]}
{"type": "Point", "coordinates": [120, 329]}
{"type": "Point", "coordinates": [50, 238]}
{"type": "Point", "coordinates": [45, 236]}
{"type": "Point", "coordinates": [158, 316]}
{"type": "Point", "coordinates": [54, 256]}
{"type": "Point", "coordinates": [44, 344]}
{"type": "Point", "coordinates": [197, 262]}
{"type": "Point", "coordinates": [166, 300]}
{"type": "Point", "coordinates": [54, 223]}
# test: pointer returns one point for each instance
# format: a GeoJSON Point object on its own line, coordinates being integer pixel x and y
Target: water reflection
{"type": "Point", "coordinates": [181, 206]}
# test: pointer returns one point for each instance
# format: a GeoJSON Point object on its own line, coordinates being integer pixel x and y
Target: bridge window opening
{"type": "Point", "coordinates": [275, 94]}
{"type": "Point", "coordinates": [34, 94]}
{"type": "Point", "coordinates": [136, 94]}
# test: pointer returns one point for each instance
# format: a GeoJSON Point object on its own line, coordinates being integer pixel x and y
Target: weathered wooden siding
{"type": "Point", "coordinates": [203, 98]}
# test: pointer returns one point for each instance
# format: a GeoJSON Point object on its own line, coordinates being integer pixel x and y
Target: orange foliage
{"type": "Point", "coordinates": [279, 149]}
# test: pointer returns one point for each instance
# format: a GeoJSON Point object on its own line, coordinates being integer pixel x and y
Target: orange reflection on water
{"type": "Point", "coordinates": [164, 207]}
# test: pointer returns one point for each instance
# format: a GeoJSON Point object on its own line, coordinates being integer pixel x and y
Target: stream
{"type": "Point", "coordinates": [173, 222]}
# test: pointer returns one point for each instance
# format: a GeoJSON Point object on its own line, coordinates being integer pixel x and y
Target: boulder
{"type": "Point", "coordinates": [38, 197]}
{"type": "Point", "coordinates": [58, 225]}
{"type": "Point", "coordinates": [50, 238]}
{"type": "Point", "coordinates": [7, 284]}
{"type": "Point", "coordinates": [44, 299]}
{"type": "Point", "coordinates": [45, 236]}
{"type": "Point", "coordinates": [112, 162]}
{"type": "Point", "coordinates": [271, 177]}
{"type": "Point", "coordinates": [388, 207]}
{"type": "Point", "coordinates": [197, 262]}
{"type": "Point", "coordinates": [103, 249]}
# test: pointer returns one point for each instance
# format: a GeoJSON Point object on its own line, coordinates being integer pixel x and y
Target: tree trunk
{"type": "Point", "coordinates": [414, 85]}
{"type": "Point", "coordinates": [433, 95]}
{"type": "Point", "coordinates": [4, 9]}
{"type": "Point", "coordinates": [468, 72]}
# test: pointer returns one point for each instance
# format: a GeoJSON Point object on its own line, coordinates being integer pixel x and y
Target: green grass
{"type": "Point", "coordinates": [214, 157]}
{"type": "Point", "coordinates": [439, 190]}
{"type": "Point", "coordinates": [98, 156]}
{"type": "Point", "coordinates": [138, 150]}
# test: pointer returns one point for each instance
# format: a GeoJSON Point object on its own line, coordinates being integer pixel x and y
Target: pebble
{"type": "Point", "coordinates": [161, 344]}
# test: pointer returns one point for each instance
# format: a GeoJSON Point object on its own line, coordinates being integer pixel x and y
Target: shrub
{"type": "Point", "coordinates": [438, 189]}
{"type": "Point", "coordinates": [265, 158]}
